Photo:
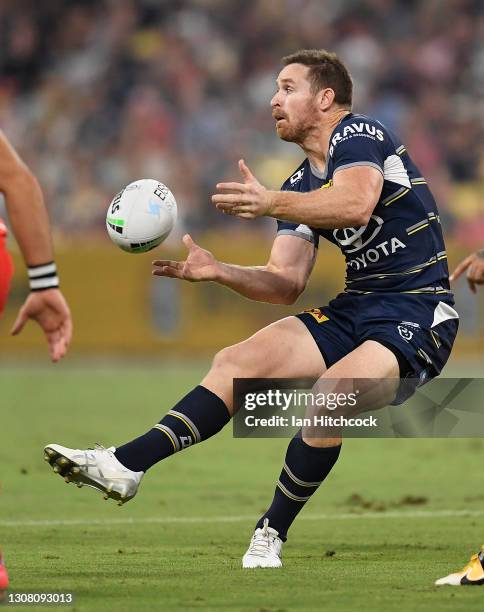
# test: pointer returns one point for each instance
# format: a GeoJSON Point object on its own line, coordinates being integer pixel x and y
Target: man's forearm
{"type": "Point", "coordinates": [28, 218]}
{"type": "Point", "coordinates": [257, 283]}
{"type": "Point", "coordinates": [331, 208]}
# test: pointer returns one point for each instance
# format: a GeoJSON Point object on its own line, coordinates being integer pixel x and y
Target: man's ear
{"type": "Point", "coordinates": [326, 98]}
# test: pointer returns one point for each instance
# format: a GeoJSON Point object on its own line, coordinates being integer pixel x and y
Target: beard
{"type": "Point", "coordinates": [298, 130]}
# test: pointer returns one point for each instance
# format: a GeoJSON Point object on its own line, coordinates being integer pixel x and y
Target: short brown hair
{"type": "Point", "coordinates": [325, 70]}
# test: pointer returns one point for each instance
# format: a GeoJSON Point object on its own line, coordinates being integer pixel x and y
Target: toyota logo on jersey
{"type": "Point", "coordinates": [358, 237]}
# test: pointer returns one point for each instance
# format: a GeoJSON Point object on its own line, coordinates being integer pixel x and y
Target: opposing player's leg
{"type": "Point", "coordinates": [3, 579]}
{"type": "Point", "coordinates": [471, 575]}
{"type": "Point", "coordinates": [6, 273]}
{"type": "Point", "coordinates": [309, 459]}
{"type": "Point", "coordinates": [202, 413]}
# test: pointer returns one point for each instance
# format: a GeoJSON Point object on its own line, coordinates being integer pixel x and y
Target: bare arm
{"type": "Point", "coordinates": [30, 225]}
{"type": "Point", "coordinates": [25, 205]}
{"type": "Point", "coordinates": [474, 265]}
{"type": "Point", "coordinates": [350, 200]}
{"type": "Point", "coordinates": [280, 281]}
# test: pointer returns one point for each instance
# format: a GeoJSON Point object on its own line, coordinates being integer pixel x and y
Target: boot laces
{"type": "Point", "coordinates": [261, 541]}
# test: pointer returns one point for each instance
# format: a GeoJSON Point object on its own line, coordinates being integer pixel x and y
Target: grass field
{"type": "Point", "coordinates": [393, 516]}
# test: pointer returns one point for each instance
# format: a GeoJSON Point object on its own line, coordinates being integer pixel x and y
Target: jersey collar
{"type": "Point", "coordinates": [314, 171]}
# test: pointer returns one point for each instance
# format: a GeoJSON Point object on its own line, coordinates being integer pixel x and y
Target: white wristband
{"type": "Point", "coordinates": [43, 277]}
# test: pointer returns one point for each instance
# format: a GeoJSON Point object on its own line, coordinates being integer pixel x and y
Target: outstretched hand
{"type": "Point", "coordinates": [51, 312]}
{"type": "Point", "coordinates": [474, 264]}
{"type": "Point", "coordinates": [200, 264]}
{"type": "Point", "coordinates": [247, 200]}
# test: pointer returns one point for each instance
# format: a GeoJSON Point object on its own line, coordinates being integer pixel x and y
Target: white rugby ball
{"type": "Point", "coordinates": [141, 216]}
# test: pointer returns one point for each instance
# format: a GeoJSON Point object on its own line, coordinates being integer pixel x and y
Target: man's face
{"type": "Point", "coordinates": [294, 106]}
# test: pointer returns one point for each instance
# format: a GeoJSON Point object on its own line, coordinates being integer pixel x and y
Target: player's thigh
{"type": "Point", "coordinates": [368, 360]}
{"type": "Point", "coordinates": [371, 372]}
{"type": "Point", "coordinates": [284, 349]}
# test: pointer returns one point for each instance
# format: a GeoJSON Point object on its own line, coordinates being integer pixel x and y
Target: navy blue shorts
{"type": "Point", "coordinates": [419, 329]}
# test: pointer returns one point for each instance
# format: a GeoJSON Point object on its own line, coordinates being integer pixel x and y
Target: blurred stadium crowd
{"type": "Point", "coordinates": [96, 93]}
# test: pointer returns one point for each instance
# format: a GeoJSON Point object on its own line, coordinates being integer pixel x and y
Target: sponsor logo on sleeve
{"type": "Point", "coordinates": [356, 130]}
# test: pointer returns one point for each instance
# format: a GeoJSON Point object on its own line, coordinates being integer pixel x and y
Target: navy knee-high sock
{"type": "Point", "coordinates": [304, 470]}
{"type": "Point", "coordinates": [198, 416]}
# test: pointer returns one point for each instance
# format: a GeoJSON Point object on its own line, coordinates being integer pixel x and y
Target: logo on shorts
{"type": "Point", "coordinates": [405, 332]}
{"type": "Point", "coordinates": [317, 314]}
{"type": "Point", "coordinates": [358, 237]}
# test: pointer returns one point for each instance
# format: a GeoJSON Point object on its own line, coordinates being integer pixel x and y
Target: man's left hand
{"type": "Point", "coordinates": [50, 310]}
{"type": "Point", "coordinates": [247, 200]}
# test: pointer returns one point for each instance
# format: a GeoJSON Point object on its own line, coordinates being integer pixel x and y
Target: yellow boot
{"type": "Point", "coordinates": [473, 573]}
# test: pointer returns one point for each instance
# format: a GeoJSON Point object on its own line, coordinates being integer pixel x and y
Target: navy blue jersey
{"type": "Point", "coordinates": [402, 247]}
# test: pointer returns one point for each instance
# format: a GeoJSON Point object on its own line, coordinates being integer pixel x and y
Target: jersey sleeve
{"type": "Point", "coordinates": [286, 228]}
{"type": "Point", "coordinates": [361, 143]}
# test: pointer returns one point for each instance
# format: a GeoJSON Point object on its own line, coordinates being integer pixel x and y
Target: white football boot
{"type": "Point", "coordinates": [264, 548]}
{"type": "Point", "coordinates": [97, 468]}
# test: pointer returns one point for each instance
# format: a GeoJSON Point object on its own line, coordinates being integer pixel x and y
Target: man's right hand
{"type": "Point", "coordinates": [200, 264]}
